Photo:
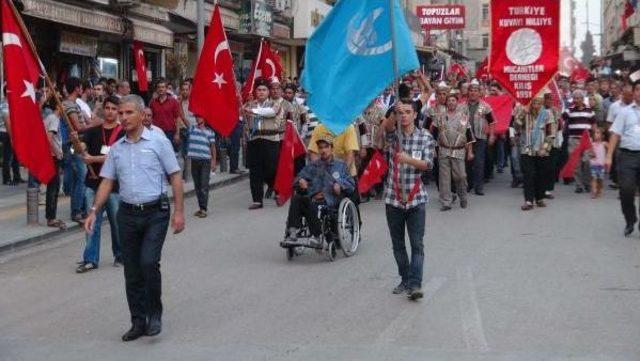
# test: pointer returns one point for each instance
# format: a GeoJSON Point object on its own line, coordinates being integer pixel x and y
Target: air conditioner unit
{"type": "Point", "coordinates": [125, 3]}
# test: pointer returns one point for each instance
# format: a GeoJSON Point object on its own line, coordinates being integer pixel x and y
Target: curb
{"type": "Point", "coordinates": [76, 228]}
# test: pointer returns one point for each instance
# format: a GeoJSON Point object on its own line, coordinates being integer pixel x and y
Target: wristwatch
{"type": "Point", "coordinates": [93, 209]}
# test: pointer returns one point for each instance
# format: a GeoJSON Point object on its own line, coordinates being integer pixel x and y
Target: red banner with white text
{"type": "Point", "coordinates": [525, 45]}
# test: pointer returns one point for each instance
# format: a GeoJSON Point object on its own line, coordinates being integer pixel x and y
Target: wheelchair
{"type": "Point", "coordinates": [340, 229]}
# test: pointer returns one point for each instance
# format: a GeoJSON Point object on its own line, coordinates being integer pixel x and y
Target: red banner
{"type": "Point", "coordinates": [525, 45]}
{"type": "Point", "coordinates": [433, 17]}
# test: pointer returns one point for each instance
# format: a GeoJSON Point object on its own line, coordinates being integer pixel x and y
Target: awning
{"type": "Point", "coordinates": [151, 33]}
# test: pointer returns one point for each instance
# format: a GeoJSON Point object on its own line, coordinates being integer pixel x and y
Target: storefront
{"type": "Point", "coordinates": [90, 43]}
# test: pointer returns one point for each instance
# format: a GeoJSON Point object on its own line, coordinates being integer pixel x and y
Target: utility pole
{"type": "Point", "coordinates": [200, 10]}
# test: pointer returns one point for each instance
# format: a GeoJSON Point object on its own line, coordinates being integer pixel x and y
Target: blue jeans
{"type": "Point", "coordinates": [78, 175]}
{"type": "Point", "coordinates": [516, 170]}
{"type": "Point", "coordinates": [92, 248]}
{"type": "Point", "coordinates": [414, 221]}
{"type": "Point", "coordinates": [500, 147]}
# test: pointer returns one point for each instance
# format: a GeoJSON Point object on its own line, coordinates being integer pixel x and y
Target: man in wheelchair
{"type": "Point", "coordinates": [321, 182]}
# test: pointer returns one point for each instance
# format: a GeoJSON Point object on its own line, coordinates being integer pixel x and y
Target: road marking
{"type": "Point", "coordinates": [405, 318]}
{"type": "Point", "coordinates": [472, 329]}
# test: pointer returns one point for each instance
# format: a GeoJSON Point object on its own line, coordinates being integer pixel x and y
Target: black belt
{"type": "Point", "coordinates": [142, 206]}
{"type": "Point", "coordinates": [629, 151]}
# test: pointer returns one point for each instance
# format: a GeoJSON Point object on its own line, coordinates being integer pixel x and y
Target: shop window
{"type": "Point", "coordinates": [108, 67]}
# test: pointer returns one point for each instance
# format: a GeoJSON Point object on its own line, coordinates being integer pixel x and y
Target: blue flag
{"type": "Point", "coordinates": [349, 59]}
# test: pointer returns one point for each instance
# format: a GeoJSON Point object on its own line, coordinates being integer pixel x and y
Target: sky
{"type": "Point", "coordinates": [581, 26]}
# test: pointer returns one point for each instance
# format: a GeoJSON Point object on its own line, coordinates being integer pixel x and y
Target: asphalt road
{"type": "Point", "coordinates": [559, 283]}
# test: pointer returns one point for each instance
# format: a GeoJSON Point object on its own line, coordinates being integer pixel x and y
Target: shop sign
{"type": "Point", "coordinates": [281, 31]}
{"type": "Point", "coordinates": [441, 16]}
{"type": "Point", "coordinates": [73, 15]}
{"type": "Point", "coordinates": [78, 44]}
{"type": "Point", "coordinates": [256, 17]}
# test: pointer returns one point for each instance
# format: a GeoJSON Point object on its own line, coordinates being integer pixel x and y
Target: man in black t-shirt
{"type": "Point", "coordinates": [99, 140]}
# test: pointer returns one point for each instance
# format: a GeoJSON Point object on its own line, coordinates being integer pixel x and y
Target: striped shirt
{"type": "Point", "coordinates": [200, 141]}
{"type": "Point", "coordinates": [578, 120]}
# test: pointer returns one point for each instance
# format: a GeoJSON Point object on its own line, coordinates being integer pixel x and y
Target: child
{"type": "Point", "coordinates": [202, 152]}
{"type": "Point", "coordinates": [596, 164]}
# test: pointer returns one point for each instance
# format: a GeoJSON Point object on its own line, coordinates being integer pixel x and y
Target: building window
{"type": "Point", "coordinates": [485, 41]}
{"type": "Point", "coordinates": [485, 12]}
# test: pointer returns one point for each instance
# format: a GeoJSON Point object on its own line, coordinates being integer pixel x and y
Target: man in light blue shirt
{"type": "Point", "coordinates": [141, 162]}
{"type": "Point", "coordinates": [626, 131]}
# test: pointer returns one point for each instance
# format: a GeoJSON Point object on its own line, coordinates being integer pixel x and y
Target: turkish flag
{"type": "Point", "coordinates": [580, 73]}
{"type": "Point", "coordinates": [141, 66]}
{"type": "Point", "coordinates": [214, 96]}
{"type": "Point", "coordinates": [572, 67]}
{"type": "Point", "coordinates": [576, 155]}
{"type": "Point", "coordinates": [267, 65]}
{"type": "Point", "coordinates": [483, 69]}
{"type": "Point", "coordinates": [22, 72]}
{"type": "Point", "coordinates": [458, 69]}
{"type": "Point", "coordinates": [501, 107]}
{"type": "Point", "coordinates": [525, 45]}
{"type": "Point", "coordinates": [292, 148]}
{"type": "Point", "coordinates": [374, 173]}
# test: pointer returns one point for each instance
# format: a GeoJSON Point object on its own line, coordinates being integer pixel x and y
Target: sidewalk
{"type": "Point", "coordinates": [15, 233]}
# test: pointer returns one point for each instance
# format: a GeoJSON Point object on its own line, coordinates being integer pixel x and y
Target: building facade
{"type": "Point", "coordinates": [620, 44]}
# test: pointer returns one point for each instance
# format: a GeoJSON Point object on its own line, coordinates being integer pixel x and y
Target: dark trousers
{"type": "Point", "coordinates": [535, 171]}
{"type": "Point", "coordinates": [142, 235]}
{"type": "Point", "coordinates": [475, 168]}
{"type": "Point", "coordinates": [413, 219]}
{"type": "Point", "coordinates": [201, 172]}
{"type": "Point", "coordinates": [304, 206]}
{"type": "Point", "coordinates": [9, 162]}
{"type": "Point", "coordinates": [263, 161]}
{"type": "Point", "coordinates": [554, 168]}
{"type": "Point", "coordinates": [53, 189]}
{"type": "Point", "coordinates": [613, 173]}
{"type": "Point", "coordinates": [628, 180]}
{"type": "Point", "coordinates": [234, 147]}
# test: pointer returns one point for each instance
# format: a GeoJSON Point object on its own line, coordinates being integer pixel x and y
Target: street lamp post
{"type": "Point", "coordinates": [200, 10]}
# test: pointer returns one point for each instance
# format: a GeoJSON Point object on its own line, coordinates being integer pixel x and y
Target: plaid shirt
{"type": "Point", "coordinates": [420, 145]}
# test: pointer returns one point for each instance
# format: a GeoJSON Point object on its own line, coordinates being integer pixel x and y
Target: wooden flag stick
{"type": "Point", "coordinates": [77, 145]}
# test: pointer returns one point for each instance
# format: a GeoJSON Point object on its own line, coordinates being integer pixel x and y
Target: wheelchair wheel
{"type": "Point", "coordinates": [348, 227]}
{"type": "Point", "coordinates": [331, 252]}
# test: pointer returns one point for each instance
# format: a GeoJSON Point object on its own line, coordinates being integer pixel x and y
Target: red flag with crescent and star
{"type": "Point", "coordinates": [267, 65]}
{"type": "Point", "coordinates": [525, 45]}
{"type": "Point", "coordinates": [214, 96]}
{"type": "Point", "coordinates": [141, 66]}
{"type": "Point", "coordinates": [22, 72]}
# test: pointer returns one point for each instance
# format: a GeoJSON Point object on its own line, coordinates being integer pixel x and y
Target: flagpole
{"type": "Point", "coordinates": [393, 45]}
{"type": "Point", "coordinates": [77, 145]}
